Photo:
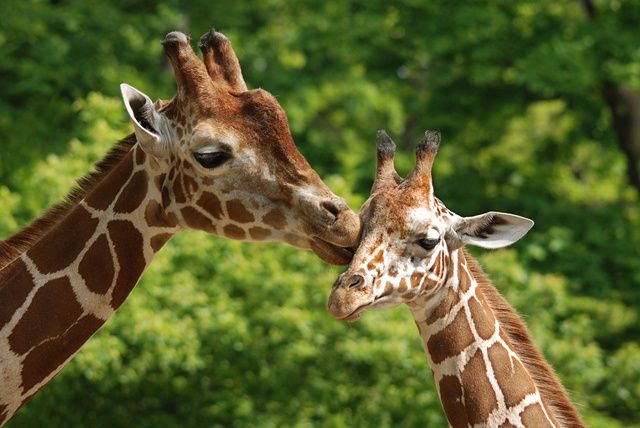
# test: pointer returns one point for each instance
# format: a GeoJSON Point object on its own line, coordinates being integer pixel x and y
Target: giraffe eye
{"type": "Point", "coordinates": [210, 159]}
{"type": "Point", "coordinates": [428, 244]}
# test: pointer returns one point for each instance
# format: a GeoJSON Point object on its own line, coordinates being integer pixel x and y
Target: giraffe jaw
{"type": "Point", "coordinates": [355, 315]}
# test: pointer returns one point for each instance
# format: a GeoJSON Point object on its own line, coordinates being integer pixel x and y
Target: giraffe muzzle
{"type": "Point", "coordinates": [349, 297]}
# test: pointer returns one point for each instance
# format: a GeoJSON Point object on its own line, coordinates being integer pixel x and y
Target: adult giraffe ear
{"type": "Point", "coordinates": [146, 121]}
{"type": "Point", "coordinates": [488, 230]}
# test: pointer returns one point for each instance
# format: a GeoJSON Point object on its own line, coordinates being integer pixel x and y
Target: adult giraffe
{"type": "Point", "coordinates": [217, 157]}
{"type": "Point", "coordinates": [487, 370]}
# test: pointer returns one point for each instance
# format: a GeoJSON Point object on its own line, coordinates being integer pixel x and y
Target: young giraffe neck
{"type": "Point", "coordinates": [482, 378]}
{"type": "Point", "coordinates": [60, 289]}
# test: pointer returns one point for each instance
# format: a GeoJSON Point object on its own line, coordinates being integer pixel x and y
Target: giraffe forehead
{"type": "Point", "coordinates": [206, 132]}
{"type": "Point", "coordinates": [421, 216]}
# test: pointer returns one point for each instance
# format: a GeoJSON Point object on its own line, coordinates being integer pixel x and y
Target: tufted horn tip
{"type": "Point", "coordinates": [211, 38]}
{"type": "Point", "coordinates": [385, 145]}
{"type": "Point", "coordinates": [176, 37]}
{"type": "Point", "coordinates": [429, 143]}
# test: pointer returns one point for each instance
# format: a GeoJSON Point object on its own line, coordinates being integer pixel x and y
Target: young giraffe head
{"type": "Point", "coordinates": [408, 235]}
{"type": "Point", "coordinates": [225, 161]}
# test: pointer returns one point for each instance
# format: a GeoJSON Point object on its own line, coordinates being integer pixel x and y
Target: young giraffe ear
{"type": "Point", "coordinates": [145, 121]}
{"type": "Point", "coordinates": [489, 230]}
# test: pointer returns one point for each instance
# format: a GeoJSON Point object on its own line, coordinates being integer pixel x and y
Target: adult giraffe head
{"type": "Point", "coordinates": [225, 160]}
{"type": "Point", "coordinates": [408, 236]}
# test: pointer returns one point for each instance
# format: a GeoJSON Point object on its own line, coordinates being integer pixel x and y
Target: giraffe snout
{"type": "Point", "coordinates": [352, 282]}
{"type": "Point", "coordinates": [349, 297]}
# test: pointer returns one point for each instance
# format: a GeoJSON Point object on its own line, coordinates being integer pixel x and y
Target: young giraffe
{"type": "Point", "coordinates": [217, 157]}
{"type": "Point", "coordinates": [487, 370]}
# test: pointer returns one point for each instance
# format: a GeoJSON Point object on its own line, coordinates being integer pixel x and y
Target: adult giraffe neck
{"type": "Point", "coordinates": [74, 273]}
{"type": "Point", "coordinates": [486, 368]}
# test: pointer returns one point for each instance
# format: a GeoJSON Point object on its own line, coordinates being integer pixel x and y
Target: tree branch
{"type": "Point", "coordinates": [624, 105]}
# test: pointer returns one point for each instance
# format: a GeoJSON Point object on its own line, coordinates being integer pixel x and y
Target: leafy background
{"type": "Point", "coordinates": [535, 101]}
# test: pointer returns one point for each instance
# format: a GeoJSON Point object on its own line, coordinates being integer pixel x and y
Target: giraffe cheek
{"type": "Point", "coordinates": [238, 212]}
{"type": "Point", "coordinates": [196, 220]}
{"type": "Point", "coordinates": [259, 233]}
{"type": "Point", "coordinates": [416, 280]}
{"type": "Point", "coordinates": [234, 232]}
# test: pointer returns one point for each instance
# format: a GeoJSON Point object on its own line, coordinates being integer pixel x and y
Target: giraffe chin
{"type": "Point", "coordinates": [353, 316]}
{"type": "Point", "coordinates": [331, 253]}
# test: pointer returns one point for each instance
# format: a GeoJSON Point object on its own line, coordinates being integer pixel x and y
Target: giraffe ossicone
{"type": "Point", "coordinates": [487, 370]}
{"type": "Point", "coordinates": [217, 157]}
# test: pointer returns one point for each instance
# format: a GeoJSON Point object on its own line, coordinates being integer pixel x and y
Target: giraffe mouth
{"type": "Point", "coordinates": [354, 315]}
{"type": "Point", "coordinates": [331, 253]}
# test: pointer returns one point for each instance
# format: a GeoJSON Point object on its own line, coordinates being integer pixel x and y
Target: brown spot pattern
{"type": "Point", "coordinates": [178, 191]}
{"type": "Point", "coordinates": [128, 244]}
{"type": "Point", "coordinates": [234, 232]}
{"type": "Point", "coordinates": [451, 397]}
{"type": "Point", "coordinates": [159, 180]}
{"type": "Point", "coordinates": [47, 357]}
{"type": "Point", "coordinates": [96, 267]}
{"type": "Point", "coordinates": [53, 310]}
{"type": "Point", "coordinates": [259, 233]}
{"type": "Point", "coordinates": [483, 322]}
{"type": "Point", "coordinates": [451, 340]}
{"type": "Point", "coordinates": [388, 289]}
{"type": "Point", "coordinates": [237, 212]}
{"type": "Point", "coordinates": [16, 284]}
{"type": "Point", "coordinates": [211, 204]}
{"type": "Point", "coordinates": [479, 397]}
{"type": "Point", "coordinates": [140, 155]}
{"type": "Point", "coordinates": [133, 194]}
{"type": "Point", "coordinates": [464, 282]}
{"type": "Point", "coordinates": [105, 193]}
{"type": "Point", "coordinates": [416, 278]}
{"type": "Point", "coordinates": [196, 220]}
{"type": "Point", "coordinates": [275, 218]}
{"type": "Point", "coordinates": [507, 424]}
{"type": "Point", "coordinates": [513, 379]}
{"type": "Point", "coordinates": [166, 198]}
{"type": "Point", "coordinates": [190, 185]}
{"type": "Point", "coordinates": [159, 240]}
{"type": "Point", "coordinates": [64, 242]}
{"type": "Point", "coordinates": [533, 416]}
{"type": "Point", "coordinates": [377, 259]}
{"type": "Point", "coordinates": [155, 216]}
{"type": "Point", "coordinates": [450, 298]}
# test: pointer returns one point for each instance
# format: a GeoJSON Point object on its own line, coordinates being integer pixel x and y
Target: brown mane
{"type": "Point", "coordinates": [24, 239]}
{"type": "Point", "coordinates": [543, 375]}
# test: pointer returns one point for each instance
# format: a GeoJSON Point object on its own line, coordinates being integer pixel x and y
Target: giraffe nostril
{"type": "Point", "coordinates": [355, 281]}
{"type": "Point", "coordinates": [331, 207]}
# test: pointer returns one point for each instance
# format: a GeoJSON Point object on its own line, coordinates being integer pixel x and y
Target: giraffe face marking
{"type": "Point", "coordinates": [229, 159]}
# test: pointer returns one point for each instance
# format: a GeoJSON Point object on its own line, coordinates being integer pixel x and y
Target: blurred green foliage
{"type": "Point", "coordinates": [222, 333]}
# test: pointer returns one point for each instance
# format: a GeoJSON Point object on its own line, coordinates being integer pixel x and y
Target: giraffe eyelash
{"type": "Point", "coordinates": [428, 244]}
